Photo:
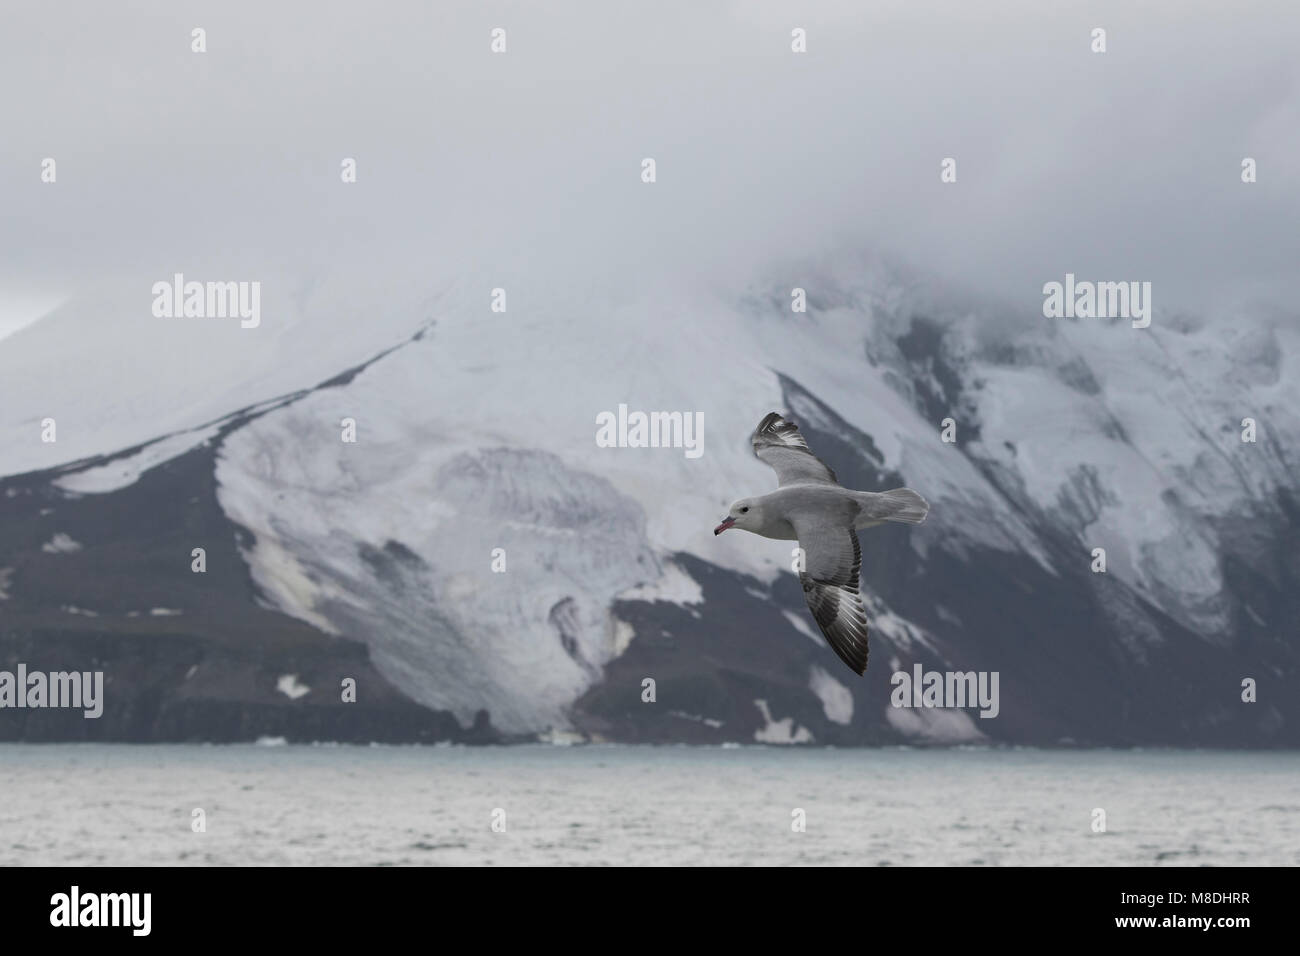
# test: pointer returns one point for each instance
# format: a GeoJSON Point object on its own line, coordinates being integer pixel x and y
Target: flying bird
{"type": "Point", "coordinates": [811, 506]}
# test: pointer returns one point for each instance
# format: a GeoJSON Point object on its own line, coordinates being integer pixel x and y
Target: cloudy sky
{"type": "Point", "coordinates": [1124, 165]}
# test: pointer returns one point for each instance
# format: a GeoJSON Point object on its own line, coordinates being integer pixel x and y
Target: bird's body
{"type": "Point", "coordinates": [864, 508]}
{"type": "Point", "coordinates": [811, 506]}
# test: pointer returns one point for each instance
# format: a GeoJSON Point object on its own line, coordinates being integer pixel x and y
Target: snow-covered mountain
{"type": "Point", "coordinates": [476, 431]}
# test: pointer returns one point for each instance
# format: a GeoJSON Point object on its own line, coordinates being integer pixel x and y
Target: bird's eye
{"type": "Point", "coordinates": [744, 510]}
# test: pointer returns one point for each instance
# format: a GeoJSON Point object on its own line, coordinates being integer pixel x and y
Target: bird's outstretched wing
{"type": "Point", "coordinates": [832, 561]}
{"type": "Point", "coordinates": [777, 442]}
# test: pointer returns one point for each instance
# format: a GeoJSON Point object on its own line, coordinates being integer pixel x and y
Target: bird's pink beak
{"type": "Point", "coordinates": [727, 522]}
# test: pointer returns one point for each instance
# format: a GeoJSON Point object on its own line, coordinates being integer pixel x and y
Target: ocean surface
{"type": "Point", "coordinates": [601, 805]}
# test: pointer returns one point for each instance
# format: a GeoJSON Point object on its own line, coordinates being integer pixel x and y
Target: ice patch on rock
{"type": "Point", "coordinates": [61, 544]}
{"type": "Point", "coordinates": [291, 687]}
{"type": "Point", "coordinates": [780, 731]}
{"type": "Point", "coordinates": [934, 725]}
{"type": "Point", "coordinates": [837, 700]}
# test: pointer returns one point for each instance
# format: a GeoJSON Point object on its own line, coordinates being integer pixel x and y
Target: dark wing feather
{"type": "Point", "coordinates": [830, 586]}
{"type": "Point", "coordinates": [777, 443]}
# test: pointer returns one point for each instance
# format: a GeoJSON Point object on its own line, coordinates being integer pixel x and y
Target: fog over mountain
{"type": "Point", "coordinates": [475, 429]}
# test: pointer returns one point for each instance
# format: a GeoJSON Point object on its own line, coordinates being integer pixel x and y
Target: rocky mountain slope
{"type": "Point", "coordinates": [475, 444]}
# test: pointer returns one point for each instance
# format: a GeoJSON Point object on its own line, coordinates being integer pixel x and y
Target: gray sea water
{"type": "Point", "coordinates": [133, 805]}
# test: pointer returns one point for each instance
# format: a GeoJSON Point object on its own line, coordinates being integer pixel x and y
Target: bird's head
{"type": "Point", "coordinates": [744, 514]}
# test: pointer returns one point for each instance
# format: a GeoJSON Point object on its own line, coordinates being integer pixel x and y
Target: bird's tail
{"type": "Point", "coordinates": [901, 504]}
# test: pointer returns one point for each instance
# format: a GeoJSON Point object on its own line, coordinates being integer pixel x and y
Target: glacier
{"type": "Point", "coordinates": [476, 431]}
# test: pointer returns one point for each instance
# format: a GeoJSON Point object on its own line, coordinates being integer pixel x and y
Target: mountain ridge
{"type": "Point", "coordinates": [386, 544]}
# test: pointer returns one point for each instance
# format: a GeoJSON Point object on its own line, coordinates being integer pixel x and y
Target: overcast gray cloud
{"type": "Point", "coordinates": [1123, 165]}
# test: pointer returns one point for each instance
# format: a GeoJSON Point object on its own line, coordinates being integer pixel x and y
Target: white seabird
{"type": "Point", "coordinates": [811, 507]}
